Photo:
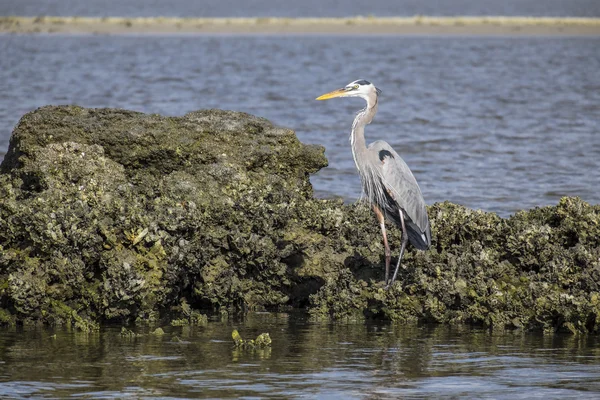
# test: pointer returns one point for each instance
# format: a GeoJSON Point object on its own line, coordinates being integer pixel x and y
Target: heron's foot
{"type": "Point", "coordinates": [389, 285]}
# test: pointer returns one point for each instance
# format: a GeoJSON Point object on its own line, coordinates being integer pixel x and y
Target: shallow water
{"type": "Point", "coordinates": [500, 124]}
{"type": "Point", "coordinates": [305, 360]}
{"type": "Point", "coordinates": [305, 8]}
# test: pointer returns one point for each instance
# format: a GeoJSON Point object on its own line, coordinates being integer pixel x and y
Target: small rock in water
{"type": "Point", "coordinates": [158, 332]}
{"type": "Point", "coordinates": [128, 333]}
{"type": "Point", "coordinates": [262, 340]}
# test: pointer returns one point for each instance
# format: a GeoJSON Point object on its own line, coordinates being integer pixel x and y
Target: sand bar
{"type": "Point", "coordinates": [417, 25]}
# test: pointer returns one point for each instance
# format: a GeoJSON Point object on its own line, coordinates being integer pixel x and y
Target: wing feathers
{"type": "Point", "coordinates": [403, 190]}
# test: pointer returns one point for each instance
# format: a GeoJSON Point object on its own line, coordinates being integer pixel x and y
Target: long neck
{"type": "Point", "coordinates": [357, 137]}
{"type": "Point", "coordinates": [368, 170]}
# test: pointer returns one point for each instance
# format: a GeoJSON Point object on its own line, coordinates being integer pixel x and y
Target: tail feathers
{"type": "Point", "coordinates": [421, 240]}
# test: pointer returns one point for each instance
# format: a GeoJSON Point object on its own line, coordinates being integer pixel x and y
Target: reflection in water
{"type": "Point", "coordinates": [306, 359]}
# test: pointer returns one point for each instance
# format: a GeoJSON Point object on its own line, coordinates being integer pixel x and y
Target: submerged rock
{"type": "Point", "coordinates": [113, 215]}
{"type": "Point", "coordinates": [262, 340]}
{"type": "Point", "coordinates": [126, 333]}
{"type": "Point", "coordinates": [158, 332]}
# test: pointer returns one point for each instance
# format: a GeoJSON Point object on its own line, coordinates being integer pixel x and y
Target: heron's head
{"type": "Point", "coordinates": [360, 88]}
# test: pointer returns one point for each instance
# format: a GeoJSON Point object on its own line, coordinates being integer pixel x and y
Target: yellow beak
{"type": "Point", "coordinates": [331, 95]}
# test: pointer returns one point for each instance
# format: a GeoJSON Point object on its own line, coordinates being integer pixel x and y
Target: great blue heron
{"type": "Point", "coordinates": [387, 182]}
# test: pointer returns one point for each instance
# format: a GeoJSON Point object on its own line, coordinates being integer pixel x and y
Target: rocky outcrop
{"type": "Point", "coordinates": [115, 215]}
{"type": "Point", "coordinates": [537, 270]}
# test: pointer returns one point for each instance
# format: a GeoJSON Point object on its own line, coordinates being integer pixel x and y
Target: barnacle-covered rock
{"type": "Point", "coordinates": [537, 270]}
{"type": "Point", "coordinates": [118, 215]}
{"type": "Point", "coordinates": [113, 215]}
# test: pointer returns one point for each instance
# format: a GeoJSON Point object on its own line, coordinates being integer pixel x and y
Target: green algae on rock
{"type": "Point", "coordinates": [116, 215]}
{"type": "Point", "coordinates": [158, 332]}
{"type": "Point", "coordinates": [537, 270]}
{"type": "Point", "coordinates": [113, 215]}
{"type": "Point", "coordinates": [127, 333]}
{"type": "Point", "coordinates": [262, 340]}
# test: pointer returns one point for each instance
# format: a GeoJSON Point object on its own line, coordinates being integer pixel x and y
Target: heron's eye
{"type": "Point", "coordinates": [355, 86]}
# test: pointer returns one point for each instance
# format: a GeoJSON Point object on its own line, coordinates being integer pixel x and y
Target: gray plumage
{"type": "Point", "coordinates": [406, 195]}
{"type": "Point", "coordinates": [387, 182]}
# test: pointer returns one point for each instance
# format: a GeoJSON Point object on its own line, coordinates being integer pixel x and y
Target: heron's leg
{"type": "Point", "coordinates": [388, 254]}
{"type": "Point", "coordinates": [404, 242]}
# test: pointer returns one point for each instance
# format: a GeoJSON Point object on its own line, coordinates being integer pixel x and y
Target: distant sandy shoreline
{"type": "Point", "coordinates": [417, 25]}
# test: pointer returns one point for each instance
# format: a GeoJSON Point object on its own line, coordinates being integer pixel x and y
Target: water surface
{"type": "Point", "coordinates": [306, 8]}
{"type": "Point", "coordinates": [501, 124]}
{"type": "Point", "coordinates": [305, 360]}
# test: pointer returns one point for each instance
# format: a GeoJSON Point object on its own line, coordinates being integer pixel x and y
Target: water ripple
{"type": "Point", "coordinates": [481, 121]}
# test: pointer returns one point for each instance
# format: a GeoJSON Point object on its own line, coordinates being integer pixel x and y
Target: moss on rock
{"type": "Point", "coordinates": [113, 215]}
{"type": "Point", "coordinates": [537, 270]}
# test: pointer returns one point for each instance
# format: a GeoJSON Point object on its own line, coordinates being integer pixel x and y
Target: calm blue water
{"type": "Point", "coordinates": [305, 8]}
{"type": "Point", "coordinates": [500, 124]}
{"type": "Point", "coordinates": [305, 360]}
